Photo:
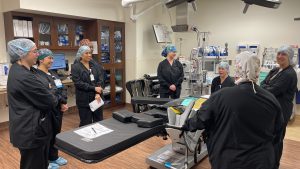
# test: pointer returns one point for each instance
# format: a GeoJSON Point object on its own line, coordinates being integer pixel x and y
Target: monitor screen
{"type": "Point", "coordinates": [210, 66]}
{"type": "Point", "coordinates": [59, 61]}
{"type": "Point", "coordinates": [161, 33]}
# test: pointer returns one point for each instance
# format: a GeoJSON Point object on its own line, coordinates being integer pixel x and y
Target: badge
{"type": "Point", "coordinates": [92, 77]}
{"type": "Point", "coordinates": [58, 83]}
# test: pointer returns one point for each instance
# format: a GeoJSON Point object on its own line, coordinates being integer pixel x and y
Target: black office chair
{"type": "Point", "coordinates": [136, 88]}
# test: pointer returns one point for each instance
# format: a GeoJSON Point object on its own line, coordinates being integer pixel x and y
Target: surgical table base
{"type": "Point", "coordinates": [166, 155]}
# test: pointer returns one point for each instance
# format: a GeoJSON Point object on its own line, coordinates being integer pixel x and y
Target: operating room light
{"type": "Point", "coordinates": [265, 3]}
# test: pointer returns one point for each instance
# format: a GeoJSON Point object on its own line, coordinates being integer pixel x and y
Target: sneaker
{"type": "Point", "coordinates": [53, 166]}
{"type": "Point", "coordinates": [60, 161]}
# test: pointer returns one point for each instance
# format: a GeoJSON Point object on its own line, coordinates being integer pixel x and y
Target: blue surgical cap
{"type": "Point", "coordinates": [44, 52]}
{"type": "Point", "coordinates": [224, 65]}
{"type": "Point", "coordinates": [168, 49]}
{"type": "Point", "coordinates": [81, 51]}
{"type": "Point", "coordinates": [19, 48]}
{"type": "Point", "coordinates": [288, 50]}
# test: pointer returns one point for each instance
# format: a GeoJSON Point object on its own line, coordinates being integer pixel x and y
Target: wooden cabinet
{"type": "Point", "coordinates": [55, 33]}
{"type": "Point", "coordinates": [111, 42]}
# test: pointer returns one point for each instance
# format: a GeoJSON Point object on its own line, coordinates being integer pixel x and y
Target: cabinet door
{"type": "Point", "coordinates": [119, 43]}
{"type": "Point", "coordinates": [107, 89]}
{"type": "Point", "coordinates": [79, 33]}
{"type": "Point", "coordinates": [106, 32]}
{"type": "Point", "coordinates": [119, 86]}
{"type": "Point", "coordinates": [64, 33]}
{"type": "Point", "coordinates": [43, 28]}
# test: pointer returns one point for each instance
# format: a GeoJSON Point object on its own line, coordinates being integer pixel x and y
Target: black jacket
{"type": "Point", "coordinates": [100, 69]}
{"type": "Point", "coordinates": [60, 93]}
{"type": "Point", "coordinates": [241, 127]}
{"type": "Point", "coordinates": [85, 88]}
{"type": "Point", "coordinates": [284, 87]}
{"type": "Point", "coordinates": [29, 103]}
{"type": "Point", "coordinates": [168, 75]}
{"type": "Point", "coordinates": [216, 83]}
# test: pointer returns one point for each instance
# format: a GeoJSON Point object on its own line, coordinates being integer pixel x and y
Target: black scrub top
{"type": "Point", "coordinates": [169, 74]}
{"type": "Point", "coordinates": [84, 86]}
{"type": "Point", "coordinates": [29, 104]}
{"type": "Point", "coordinates": [216, 83]}
{"type": "Point", "coordinates": [241, 127]}
{"type": "Point", "coordinates": [100, 69]}
{"type": "Point", "coordinates": [283, 85]}
{"type": "Point", "coordinates": [59, 91]}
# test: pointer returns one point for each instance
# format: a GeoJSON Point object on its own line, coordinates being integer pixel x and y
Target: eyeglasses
{"type": "Point", "coordinates": [35, 51]}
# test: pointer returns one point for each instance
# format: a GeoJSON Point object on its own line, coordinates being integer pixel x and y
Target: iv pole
{"type": "Point", "coordinates": [201, 66]}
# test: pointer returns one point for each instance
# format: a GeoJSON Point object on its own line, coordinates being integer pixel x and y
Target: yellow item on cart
{"type": "Point", "coordinates": [198, 103]}
{"type": "Point", "coordinates": [177, 110]}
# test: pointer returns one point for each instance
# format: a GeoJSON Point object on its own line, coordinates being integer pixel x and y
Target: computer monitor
{"type": "Point", "coordinates": [59, 61]}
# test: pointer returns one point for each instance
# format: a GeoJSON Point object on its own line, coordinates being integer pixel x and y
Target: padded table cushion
{"type": "Point", "coordinates": [124, 135]}
{"type": "Point", "coordinates": [141, 119]}
{"type": "Point", "coordinates": [140, 116]}
{"type": "Point", "coordinates": [123, 115]}
{"type": "Point", "coordinates": [150, 122]}
{"type": "Point", "coordinates": [158, 113]}
{"type": "Point", "coordinates": [149, 100]}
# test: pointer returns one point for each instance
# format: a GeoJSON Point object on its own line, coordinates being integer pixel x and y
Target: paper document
{"type": "Point", "coordinates": [20, 28]}
{"type": "Point", "coordinates": [95, 47]}
{"type": "Point", "coordinates": [93, 131]}
{"type": "Point", "coordinates": [25, 29]}
{"type": "Point", "coordinates": [94, 105]}
{"type": "Point", "coordinates": [30, 32]}
{"type": "Point", "coordinates": [15, 23]}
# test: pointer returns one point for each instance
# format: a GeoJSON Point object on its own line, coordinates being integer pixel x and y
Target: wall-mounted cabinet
{"type": "Point", "coordinates": [50, 32]}
{"type": "Point", "coordinates": [57, 33]}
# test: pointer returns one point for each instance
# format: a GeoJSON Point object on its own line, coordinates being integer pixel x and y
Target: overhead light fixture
{"type": "Point", "coordinates": [265, 3]}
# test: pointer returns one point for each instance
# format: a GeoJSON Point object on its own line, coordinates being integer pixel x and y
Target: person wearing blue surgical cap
{"type": "Point", "coordinates": [282, 83]}
{"type": "Point", "coordinates": [224, 80]}
{"type": "Point", "coordinates": [170, 74]}
{"type": "Point", "coordinates": [29, 104]}
{"type": "Point", "coordinates": [86, 78]}
{"type": "Point", "coordinates": [51, 80]}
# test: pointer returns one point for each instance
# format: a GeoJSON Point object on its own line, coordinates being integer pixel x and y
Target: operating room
{"type": "Point", "coordinates": [133, 84]}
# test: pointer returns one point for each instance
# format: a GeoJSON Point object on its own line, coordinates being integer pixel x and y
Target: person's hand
{"type": "Point", "coordinates": [98, 98]}
{"type": "Point", "coordinates": [172, 87]}
{"type": "Point", "coordinates": [98, 89]}
{"type": "Point", "coordinates": [64, 107]}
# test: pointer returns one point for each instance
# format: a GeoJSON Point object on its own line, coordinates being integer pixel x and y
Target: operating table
{"type": "Point", "coordinates": [127, 129]}
{"type": "Point", "coordinates": [96, 142]}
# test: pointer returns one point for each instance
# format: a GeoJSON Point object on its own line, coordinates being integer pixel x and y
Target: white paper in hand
{"type": "Point", "coordinates": [94, 105]}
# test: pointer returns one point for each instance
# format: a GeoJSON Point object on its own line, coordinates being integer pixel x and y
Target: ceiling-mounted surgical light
{"type": "Point", "coordinates": [265, 3]}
